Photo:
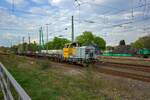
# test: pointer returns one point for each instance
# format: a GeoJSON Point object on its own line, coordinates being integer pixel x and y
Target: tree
{"type": "Point", "coordinates": [110, 48]}
{"type": "Point", "coordinates": [122, 42]}
{"type": "Point", "coordinates": [57, 43]}
{"type": "Point", "coordinates": [33, 47]}
{"type": "Point", "coordinates": [14, 48]}
{"type": "Point", "coordinates": [142, 42]}
{"type": "Point", "coordinates": [50, 45]}
{"type": "Point", "coordinates": [100, 42]}
{"type": "Point", "coordinates": [88, 38]}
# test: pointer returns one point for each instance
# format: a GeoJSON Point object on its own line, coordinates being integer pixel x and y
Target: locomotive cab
{"type": "Point", "coordinates": [70, 49]}
{"type": "Point", "coordinates": [73, 52]}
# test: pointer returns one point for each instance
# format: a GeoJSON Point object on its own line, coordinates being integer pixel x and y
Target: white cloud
{"type": "Point", "coordinates": [56, 2]}
{"type": "Point", "coordinates": [99, 1]}
{"type": "Point", "coordinates": [39, 1]}
{"type": "Point", "coordinates": [62, 4]}
{"type": "Point", "coordinates": [7, 36]}
{"type": "Point", "coordinates": [59, 13]}
{"type": "Point", "coordinates": [40, 11]}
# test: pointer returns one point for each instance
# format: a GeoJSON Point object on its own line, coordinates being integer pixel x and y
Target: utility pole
{"type": "Point", "coordinates": [11, 44]}
{"type": "Point", "coordinates": [41, 40]}
{"type": "Point", "coordinates": [23, 48]}
{"type": "Point", "coordinates": [29, 42]}
{"type": "Point", "coordinates": [47, 37]}
{"type": "Point", "coordinates": [29, 38]}
{"type": "Point", "coordinates": [40, 37]}
{"type": "Point", "coordinates": [132, 10]}
{"type": "Point", "coordinates": [72, 29]}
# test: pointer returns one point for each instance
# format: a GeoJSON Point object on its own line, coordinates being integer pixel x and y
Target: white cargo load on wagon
{"type": "Point", "coordinates": [52, 51]}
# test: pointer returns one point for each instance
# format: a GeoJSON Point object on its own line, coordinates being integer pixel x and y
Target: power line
{"type": "Point", "coordinates": [126, 10]}
{"type": "Point", "coordinates": [100, 5]}
{"type": "Point", "coordinates": [130, 22]}
{"type": "Point", "coordinates": [23, 11]}
{"type": "Point", "coordinates": [118, 10]}
{"type": "Point", "coordinates": [123, 10]}
{"type": "Point", "coordinates": [14, 29]}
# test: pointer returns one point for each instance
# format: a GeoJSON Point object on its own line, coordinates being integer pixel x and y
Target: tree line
{"type": "Point", "coordinates": [140, 43]}
{"type": "Point", "coordinates": [87, 38]}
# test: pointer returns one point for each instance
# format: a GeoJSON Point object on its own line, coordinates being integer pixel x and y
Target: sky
{"type": "Point", "coordinates": [112, 20]}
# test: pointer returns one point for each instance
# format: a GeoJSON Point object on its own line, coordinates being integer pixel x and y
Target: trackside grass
{"type": "Point", "coordinates": [44, 82]}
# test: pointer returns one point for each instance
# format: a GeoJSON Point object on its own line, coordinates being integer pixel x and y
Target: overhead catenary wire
{"type": "Point", "coordinates": [89, 21]}
{"type": "Point", "coordinates": [94, 4]}
{"type": "Point", "coordinates": [140, 6]}
{"type": "Point", "coordinates": [126, 10]}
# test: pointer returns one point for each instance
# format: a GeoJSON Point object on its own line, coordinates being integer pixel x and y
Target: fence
{"type": "Point", "coordinates": [9, 86]}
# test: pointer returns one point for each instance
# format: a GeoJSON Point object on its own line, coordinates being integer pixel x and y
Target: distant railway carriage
{"type": "Point", "coordinates": [143, 53]}
{"type": "Point", "coordinates": [128, 51]}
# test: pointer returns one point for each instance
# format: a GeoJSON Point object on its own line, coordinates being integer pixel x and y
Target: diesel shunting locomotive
{"type": "Point", "coordinates": [73, 53]}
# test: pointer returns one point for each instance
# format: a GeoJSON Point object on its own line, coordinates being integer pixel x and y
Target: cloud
{"type": "Point", "coordinates": [40, 1]}
{"type": "Point", "coordinates": [21, 26]}
{"type": "Point", "coordinates": [62, 4]}
{"type": "Point", "coordinates": [41, 11]}
{"type": "Point", "coordinates": [8, 36]}
{"type": "Point", "coordinates": [99, 1]}
{"type": "Point", "coordinates": [56, 2]}
{"type": "Point", "coordinates": [58, 13]}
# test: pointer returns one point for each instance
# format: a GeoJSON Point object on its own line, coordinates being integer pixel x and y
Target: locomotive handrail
{"type": "Point", "coordinates": [6, 81]}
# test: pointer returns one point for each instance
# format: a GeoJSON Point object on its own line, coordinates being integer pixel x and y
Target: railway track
{"type": "Point", "coordinates": [126, 58]}
{"type": "Point", "coordinates": [127, 66]}
{"type": "Point", "coordinates": [124, 74]}
{"type": "Point", "coordinates": [131, 75]}
{"type": "Point", "coordinates": [103, 70]}
{"type": "Point", "coordinates": [97, 67]}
